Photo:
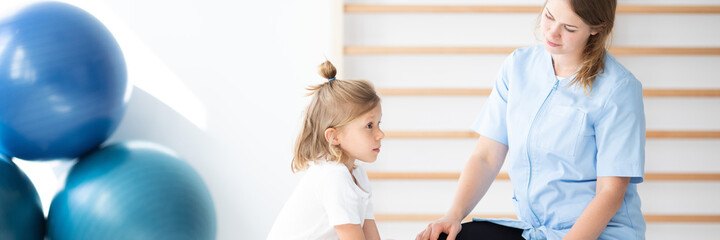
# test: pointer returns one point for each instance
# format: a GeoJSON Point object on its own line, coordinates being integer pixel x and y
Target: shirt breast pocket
{"type": "Point", "coordinates": [560, 130]}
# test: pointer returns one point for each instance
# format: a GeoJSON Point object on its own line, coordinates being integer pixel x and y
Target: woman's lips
{"type": "Point", "coordinates": [552, 44]}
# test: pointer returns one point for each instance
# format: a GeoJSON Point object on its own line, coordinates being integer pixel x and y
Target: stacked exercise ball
{"type": "Point", "coordinates": [21, 215]}
{"type": "Point", "coordinates": [63, 92]}
{"type": "Point", "coordinates": [132, 190]}
{"type": "Point", "coordinates": [62, 82]}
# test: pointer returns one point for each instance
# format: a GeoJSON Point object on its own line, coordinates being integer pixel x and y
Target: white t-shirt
{"type": "Point", "coordinates": [326, 196]}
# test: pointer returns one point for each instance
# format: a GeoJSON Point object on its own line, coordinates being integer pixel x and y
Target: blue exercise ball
{"type": "Point", "coordinates": [21, 214]}
{"type": "Point", "coordinates": [63, 82]}
{"type": "Point", "coordinates": [132, 190]}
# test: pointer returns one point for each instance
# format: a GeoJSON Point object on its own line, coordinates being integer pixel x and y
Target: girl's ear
{"type": "Point", "coordinates": [331, 136]}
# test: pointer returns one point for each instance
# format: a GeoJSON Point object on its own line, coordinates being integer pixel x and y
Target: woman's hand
{"type": "Point", "coordinates": [475, 179]}
{"type": "Point", "coordinates": [448, 225]}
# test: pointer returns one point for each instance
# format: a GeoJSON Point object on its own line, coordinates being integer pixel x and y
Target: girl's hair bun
{"type": "Point", "coordinates": [327, 70]}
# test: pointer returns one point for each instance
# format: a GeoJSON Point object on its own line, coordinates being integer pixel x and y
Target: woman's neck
{"type": "Point", "coordinates": [565, 65]}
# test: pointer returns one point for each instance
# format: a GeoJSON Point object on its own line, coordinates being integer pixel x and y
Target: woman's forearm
{"type": "Point", "coordinates": [477, 176]}
{"type": "Point", "coordinates": [602, 208]}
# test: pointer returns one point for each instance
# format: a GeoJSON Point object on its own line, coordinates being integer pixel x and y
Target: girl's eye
{"type": "Point", "coordinates": [370, 125]}
{"type": "Point", "coordinates": [569, 30]}
{"type": "Point", "coordinates": [548, 16]}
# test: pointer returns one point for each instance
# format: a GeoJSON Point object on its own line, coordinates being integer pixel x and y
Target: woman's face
{"type": "Point", "coordinates": [564, 32]}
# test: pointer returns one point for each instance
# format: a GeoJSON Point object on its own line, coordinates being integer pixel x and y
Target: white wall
{"type": "Point", "coordinates": [222, 83]}
{"type": "Point", "coordinates": [456, 113]}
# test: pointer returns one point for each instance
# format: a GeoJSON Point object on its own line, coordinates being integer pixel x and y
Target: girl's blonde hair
{"type": "Point", "coordinates": [334, 104]}
{"type": "Point", "coordinates": [600, 16]}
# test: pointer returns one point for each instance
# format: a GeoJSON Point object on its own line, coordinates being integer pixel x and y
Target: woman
{"type": "Point", "coordinates": [570, 119]}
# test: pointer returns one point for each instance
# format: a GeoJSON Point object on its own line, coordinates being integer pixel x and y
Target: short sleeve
{"type": "Point", "coordinates": [342, 204]}
{"type": "Point", "coordinates": [491, 122]}
{"type": "Point", "coordinates": [620, 133]}
{"type": "Point", "coordinates": [369, 214]}
{"type": "Point", "coordinates": [364, 182]}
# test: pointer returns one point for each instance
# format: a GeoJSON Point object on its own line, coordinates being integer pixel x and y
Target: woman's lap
{"type": "Point", "coordinates": [479, 230]}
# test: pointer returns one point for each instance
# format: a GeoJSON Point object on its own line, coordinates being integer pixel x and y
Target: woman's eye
{"type": "Point", "coordinates": [548, 16]}
{"type": "Point", "coordinates": [569, 30]}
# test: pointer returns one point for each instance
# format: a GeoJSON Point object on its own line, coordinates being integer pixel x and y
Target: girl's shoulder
{"type": "Point", "coordinates": [335, 178]}
{"type": "Point", "coordinates": [327, 169]}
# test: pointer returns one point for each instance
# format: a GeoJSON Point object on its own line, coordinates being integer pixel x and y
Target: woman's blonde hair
{"type": "Point", "coordinates": [600, 16]}
{"type": "Point", "coordinates": [334, 104]}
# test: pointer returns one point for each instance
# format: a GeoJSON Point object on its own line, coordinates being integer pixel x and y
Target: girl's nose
{"type": "Point", "coordinates": [381, 134]}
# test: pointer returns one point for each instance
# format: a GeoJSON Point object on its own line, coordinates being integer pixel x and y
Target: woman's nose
{"type": "Point", "coordinates": [554, 30]}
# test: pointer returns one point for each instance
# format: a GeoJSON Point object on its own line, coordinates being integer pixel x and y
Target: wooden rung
{"type": "Point", "coordinates": [657, 218]}
{"type": "Point", "coordinates": [486, 92]}
{"type": "Point", "coordinates": [707, 9]}
{"type": "Point", "coordinates": [431, 217]}
{"type": "Point", "coordinates": [421, 176]}
{"type": "Point", "coordinates": [367, 8]}
{"type": "Point", "coordinates": [682, 176]}
{"type": "Point", "coordinates": [663, 51]}
{"type": "Point", "coordinates": [681, 92]}
{"type": "Point", "coordinates": [428, 50]}
{"type": "Point", "coordinates": [471, 134]}
{"type": "Point", "coordinates": [683, 134]}
{"type": "Point", "coordinates": [504, 176]}
{"type": "Point", "coordinates": [683, 218]}
{"type": "Point", "coordinates": [621, 9]}
{"type": "Point", "coordinates": [358, 50]}
{"type": "Point", "coordinates": [434, 91]}
{"type": "Point", "coordinates": [427, 134]}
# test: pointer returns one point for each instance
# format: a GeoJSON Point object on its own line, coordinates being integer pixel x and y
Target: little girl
{"type": "Point", "coordinates": [333, 199]}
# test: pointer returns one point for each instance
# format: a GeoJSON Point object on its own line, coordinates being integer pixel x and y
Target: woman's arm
{"type": "Point", "coordinates": [608, 199]}
{"type": "Point", "coordinates": [350, 232]}
{"type": "Point", "coordinates": [370, 230]}
{"type": "Point", "coordinates": [477, 176]}
{"type": "Point", "coordinates": [475, 179]}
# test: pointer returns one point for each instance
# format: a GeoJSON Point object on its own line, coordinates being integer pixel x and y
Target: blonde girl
{"type": "Point", "coordinates": [333, 198]}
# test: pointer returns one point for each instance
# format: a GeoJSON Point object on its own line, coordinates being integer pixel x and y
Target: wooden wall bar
{"type": "Point", "coordinates": [471, 134]}
{"type": "Point", "coordinates": [648, 217]}
{"type": "Point", "coordinates": [504, 176]}
{"type": "Point", "coordinates": [617, 51]}
{"type": "Point", "coordinates": [622, 9]}
{"type": "Point", "coordinates": [486, 92]}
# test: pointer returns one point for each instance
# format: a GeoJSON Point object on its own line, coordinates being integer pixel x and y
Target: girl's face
{"type": "Point", "coordinates": [360, 138]}
{"type": "Point", "coordinates": [564, 32]}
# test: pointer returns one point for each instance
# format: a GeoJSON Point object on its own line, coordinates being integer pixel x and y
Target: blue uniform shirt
{"type": "Point", "coordinates": [560, 140]}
